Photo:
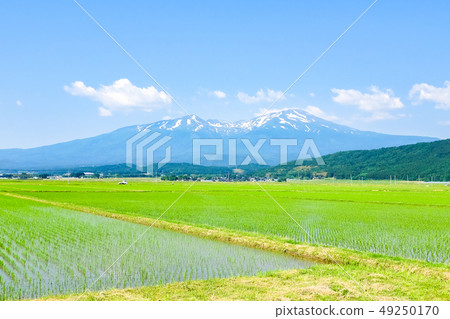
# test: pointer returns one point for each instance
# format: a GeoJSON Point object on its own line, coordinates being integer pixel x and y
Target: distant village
{"type": "Point", "coordinates": [91, 175]}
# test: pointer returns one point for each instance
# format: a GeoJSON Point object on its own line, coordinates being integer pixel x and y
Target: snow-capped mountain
{"type": "Point", "coordinates": [291, 124]}
{"type": "Point", "coordinates": [294, 119]}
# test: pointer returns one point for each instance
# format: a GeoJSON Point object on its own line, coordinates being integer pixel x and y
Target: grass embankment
{"type": "Point", "coordinates": [46, 250]}
{"type": "Point", "coordinates": [342, 275]}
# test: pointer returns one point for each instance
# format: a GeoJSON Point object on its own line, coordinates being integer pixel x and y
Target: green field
{"type": "Point", "coordinates": [362, 225]}
{"type": "Point", "coordinates": [48, 250]}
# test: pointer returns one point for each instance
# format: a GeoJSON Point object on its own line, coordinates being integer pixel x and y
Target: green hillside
{"type": "Point", "coordinates": [424, 161]}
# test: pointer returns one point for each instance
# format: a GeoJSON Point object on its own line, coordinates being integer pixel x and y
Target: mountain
{"type": "Point", "coordinates": [110, 148]}
{"type": "Point", "coordinates": [424, 161]}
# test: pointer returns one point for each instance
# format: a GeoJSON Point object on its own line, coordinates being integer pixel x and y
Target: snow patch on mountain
{"type": "Point", "coordinates": [289, 120]}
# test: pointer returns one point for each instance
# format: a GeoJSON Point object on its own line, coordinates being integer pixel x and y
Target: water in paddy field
{"type": "Point", "coordinates": [47, 251]}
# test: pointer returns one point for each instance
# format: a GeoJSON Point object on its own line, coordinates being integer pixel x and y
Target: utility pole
{"type": "Point", "coordinates": [390, 179]}
{"type": "Point", "coordinates": [351, 179]}
{"type": "Point", "coordinates": [68, 175]}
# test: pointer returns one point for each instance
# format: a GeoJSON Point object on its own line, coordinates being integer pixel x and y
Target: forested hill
{"type": "Point", "coordinates": [423, 160]}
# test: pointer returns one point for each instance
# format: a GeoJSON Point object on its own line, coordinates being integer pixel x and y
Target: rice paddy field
{"type": "Point", "coordinates": [51, 242]}
{"type": "Point", "coordinates": [48, 250]}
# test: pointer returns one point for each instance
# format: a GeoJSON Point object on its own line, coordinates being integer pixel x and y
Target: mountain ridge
{"type": "Point", "coordinates": [109, 148]}
{"type": "Point", "coordinates": [420, 161]}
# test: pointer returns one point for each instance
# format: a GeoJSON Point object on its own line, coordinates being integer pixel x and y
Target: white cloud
{"type": "Point", "coordinates": [220, 94]}
{"type": "Point", "coordinates": [312, 94]}
{"type": "Point", "coordinates": [261, 96]}
{"type": "Point", "coordinates": [19, 103]}
{"type": "Point", "coordinates": [121, 95]}
{"type": "Point", "coordinates": [166, 118]}
{"type": "Point", "coordinates": [426, 92]}
{"type": "Point", "coordinates": [104, 112]}
{"type": "Point", "coordinates": [314, 110]}
{"type": "Point", "coordinates": [378, 103]}
{"type": "Point", "coordinates": [217, 93]}
{"type": "Point", "coordinates": [444, 123]}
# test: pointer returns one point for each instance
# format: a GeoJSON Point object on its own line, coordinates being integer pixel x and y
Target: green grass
{"type": "Point", "coordinates": [367, 228]}
{"type": "Point", "coordinates": [49, 250]}
{"type": "Point", "coordinates": [405, 220]}
{"type": "Point", "coordinates": [321, 282]}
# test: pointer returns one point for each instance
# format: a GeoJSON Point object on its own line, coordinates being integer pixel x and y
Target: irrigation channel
{"type": "Point", "coordinates": [47, 251]}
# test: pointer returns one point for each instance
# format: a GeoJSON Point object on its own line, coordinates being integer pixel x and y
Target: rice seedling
{"type": "Point", "coordinates": [407, 220]}
{"type": "Point", "coordinates": [46, 250]}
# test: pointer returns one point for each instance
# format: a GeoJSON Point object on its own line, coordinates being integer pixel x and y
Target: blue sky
{"type": "Point", "coordinates": [62, 78]}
